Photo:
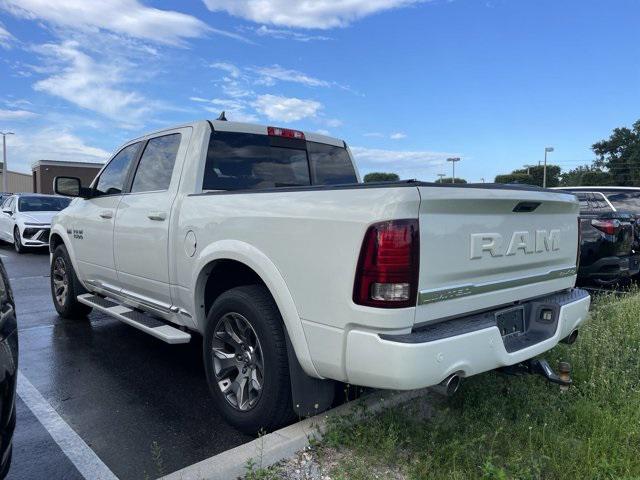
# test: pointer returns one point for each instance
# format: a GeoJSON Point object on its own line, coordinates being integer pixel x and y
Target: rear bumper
{"type": "Point", "coordinates": [467, 346]}
{"type": "Point", "coordinates": [611, 268]}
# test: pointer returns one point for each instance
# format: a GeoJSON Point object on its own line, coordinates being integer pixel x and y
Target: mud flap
{"type": "Point", "coordinates": [310, 396]}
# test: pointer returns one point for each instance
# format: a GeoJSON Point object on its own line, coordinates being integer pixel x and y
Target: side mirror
{"type": "Point", "coordinates": [70, 187]}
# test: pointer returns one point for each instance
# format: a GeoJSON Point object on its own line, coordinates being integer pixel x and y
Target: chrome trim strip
{"type": "Point", "coordinates": [146, 301]}
{"type": "Point", "coordinates": [129, 297]}
{"type": "Point", "coordinates": [451, 293]}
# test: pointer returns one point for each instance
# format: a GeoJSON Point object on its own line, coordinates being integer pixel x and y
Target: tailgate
{"type": "Point", "coordinates": [485, 247]}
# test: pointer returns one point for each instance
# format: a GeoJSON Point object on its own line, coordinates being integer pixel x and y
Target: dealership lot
{"type": "Point", "coordinates": [140, 405]}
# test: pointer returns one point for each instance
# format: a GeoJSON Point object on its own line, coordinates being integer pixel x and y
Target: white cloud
{"type": "Point", "coordinates": [235, 110]}
{"type": "Point", "coordinates": [124, 17]}
{"type": "Point", "coordinates": [230, 68]}
{"type": "Point", "coordinates": [392, 136]}
{"type": "Point", "coordinates": [407, 164]}
{"type": "Point", "coordinates": [241, 103]}
{"type": "Point", "coordinates": [333, 122]}
{"type": "Point", "coordinates": [90, 84]}
{"type": "Point", "coordinates": [282, 34]}
{"type": "Point", "coordinates": [50, 143]}
{"type": "Point", "coordinates": [286, 109]}
{"type": "Point", "coordinates": [234, 114]}
{"type": "Point", "coordinates": [397, 136]}
{"type": "Point", "coordinates": [269, 76]}
{"type": "Point", "coordinates": [6, 39]}
{"type": "Point", "coordinates": [305, 13]}
{"type": "Point", "coordinates": [16, 114]}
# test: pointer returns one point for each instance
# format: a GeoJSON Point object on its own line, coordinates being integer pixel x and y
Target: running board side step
{"type": "Point", "coordinates": [135, 318]}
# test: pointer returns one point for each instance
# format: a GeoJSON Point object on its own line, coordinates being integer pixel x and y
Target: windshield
{"type": "Point", "coordinates": [625, 201]}
{"type": "Point", "coordinates": [42, 204]}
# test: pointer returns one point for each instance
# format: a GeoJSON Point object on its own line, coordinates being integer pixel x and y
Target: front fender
{"type": "Point", "coordinates": [256, 260]}
{"type": "Point", "coordinates": [61, 231]}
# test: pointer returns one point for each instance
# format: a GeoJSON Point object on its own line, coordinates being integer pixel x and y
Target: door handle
{"type": "Point", "coordinates": [159, 216]}
{"type": "Point", "coordinates": [106, 214]}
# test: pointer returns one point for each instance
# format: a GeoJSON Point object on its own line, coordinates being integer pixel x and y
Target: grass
{"type": "Point", "coordinates": [499, 427]}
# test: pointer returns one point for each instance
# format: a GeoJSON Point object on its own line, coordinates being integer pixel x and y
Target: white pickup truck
{"type": "Point", "coordinates": [263, 242]}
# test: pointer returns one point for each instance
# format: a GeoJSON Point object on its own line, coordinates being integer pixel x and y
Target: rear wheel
{"type": "Point", "coordinates": [245, 356]}
{"type": "Point", "coordinates": [17, 240]}
{"type": "Point", "coordinates": [65, 286]}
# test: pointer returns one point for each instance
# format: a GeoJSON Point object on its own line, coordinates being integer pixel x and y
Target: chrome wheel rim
{"type": "Point", "coordinates": [237, 361]}
{"type": "Point", "coordinates": [60, 281]}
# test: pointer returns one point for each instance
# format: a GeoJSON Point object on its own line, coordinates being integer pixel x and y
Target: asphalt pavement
{"type": "Point", "coordinates": [140, 405]}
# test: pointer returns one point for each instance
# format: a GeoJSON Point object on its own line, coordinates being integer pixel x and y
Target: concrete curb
{"type": "Point", "coordinates": [284, 443]}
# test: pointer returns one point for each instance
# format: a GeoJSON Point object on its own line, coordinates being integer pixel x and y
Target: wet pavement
{"type": "Point", "coordinates": [141, 405]}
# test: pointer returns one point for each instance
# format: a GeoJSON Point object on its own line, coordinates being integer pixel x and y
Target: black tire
{"type": "Point", "coordinates": [68, 306]}
{"type": "Point", "coordinates": [17, 241]}
{"type": "Point", "coordinates": [7, 466]}
{"type": "Point", "coordinates": [273, 407]}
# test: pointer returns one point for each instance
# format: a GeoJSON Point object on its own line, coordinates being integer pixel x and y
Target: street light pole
{"type": "Point", "coordinates": [442, 175]}
{"type": "Point", "coordinates": [4, 159]}
{"type": "Point", "coordinates": [544, 171]}
{"type": "Point", "coordinates": [453, 161]}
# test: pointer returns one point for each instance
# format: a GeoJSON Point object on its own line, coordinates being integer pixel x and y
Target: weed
{"type": "Point", "coordinates": [501, 428]}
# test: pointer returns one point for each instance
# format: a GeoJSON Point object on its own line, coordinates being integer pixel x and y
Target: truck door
{"type": "Point", "coordinates": [92, 221]}
{"type": "Point", "coordinates": [141, 237]}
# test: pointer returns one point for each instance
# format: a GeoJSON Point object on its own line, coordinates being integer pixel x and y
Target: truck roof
{"type": "Point", "coordinates": [227, 126]}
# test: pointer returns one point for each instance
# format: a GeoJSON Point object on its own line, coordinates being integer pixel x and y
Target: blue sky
{"type": "Point", "coordinates": [406, 83]}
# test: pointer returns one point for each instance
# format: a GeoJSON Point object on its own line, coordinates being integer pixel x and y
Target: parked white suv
{"type": "Point", "coordinates": [26, 219]}
{"type": "Point", "coordinates": [263, 241]}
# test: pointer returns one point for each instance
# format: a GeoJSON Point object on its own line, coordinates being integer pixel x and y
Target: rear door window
{"type": "Point", "coordinates": [156, 164]}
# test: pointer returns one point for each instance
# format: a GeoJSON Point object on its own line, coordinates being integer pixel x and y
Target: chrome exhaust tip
{"type": "Point", "coordinates": [571, 338]}
{"type": "Point", "coordinates": [449, 385]}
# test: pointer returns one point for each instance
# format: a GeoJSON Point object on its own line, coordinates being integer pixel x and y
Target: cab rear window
{"type": "Point", "coordinates": [245, 161]}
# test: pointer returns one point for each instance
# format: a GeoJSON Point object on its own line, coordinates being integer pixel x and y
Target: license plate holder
{"type": "Point", "coordinates": [511, 321]}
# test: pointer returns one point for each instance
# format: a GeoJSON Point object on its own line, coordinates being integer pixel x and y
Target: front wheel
{"type": "Point", "coordinates": [65, 286]}
{"type": "Point", "coordinates": [245, 357]}
{"type": "Point", "coordinates": [17, 241]}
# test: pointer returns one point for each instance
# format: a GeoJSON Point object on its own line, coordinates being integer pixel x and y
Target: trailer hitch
{"type": "Point", "coordinates": [539, 366]}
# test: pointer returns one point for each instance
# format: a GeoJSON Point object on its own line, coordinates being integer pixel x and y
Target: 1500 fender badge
{"type": "Point", "coordinates": [493, 244]}
{"type": "Point", "coordinates": [77, 234]}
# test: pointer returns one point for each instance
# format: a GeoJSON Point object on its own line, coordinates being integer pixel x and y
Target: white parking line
{"type": "Point", "coordinates": [85, 460]}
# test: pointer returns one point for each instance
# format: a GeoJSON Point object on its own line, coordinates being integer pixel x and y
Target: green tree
{"type": "Point", "coordinates": [381, 177]}
{"type": "Point", "coordinates": [537, 175]}
{"type": "Point", "coordinates": [620, 155]}
{"type": "Point", "coordinates": [515, 178]}
{"type": "Point", "coordinates": [586, 175]}
{"type": "Point", "coordinates": [448, 180]}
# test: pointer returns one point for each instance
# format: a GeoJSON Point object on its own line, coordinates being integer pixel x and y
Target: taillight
{"type": "Point", "coordinates": [610, 227]}
{"type": "Point", "coordinates": [387, 274]}
{"type": "Point", "coordinates": [285, 132]}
